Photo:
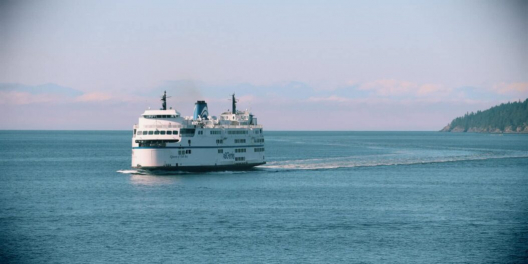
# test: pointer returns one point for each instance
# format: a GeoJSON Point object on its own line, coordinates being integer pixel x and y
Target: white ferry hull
{"type": "Point", "coordinates": [199, 158]}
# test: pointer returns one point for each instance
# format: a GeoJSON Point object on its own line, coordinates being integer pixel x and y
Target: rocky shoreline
{"type": "Point", "coordinates": [490, 129]}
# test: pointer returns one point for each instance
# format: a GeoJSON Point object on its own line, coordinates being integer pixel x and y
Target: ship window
{"type": "Point", "coordinates": [220, 151]}
{"type": "Point", "coordinates": [145, 132]}
{"type": "Point", "coordinates": [240, 158]}
{"type": "Point", "coordinates": [157, 116]}
{"type": "Point", "coordinates": [152, 143]}
{"type": "Point", "coordinates": [187, 131]}
{"type": "Point", "coordinates": [139, 133]}
{"type": "Point", "coordinates": [240, 141]}
{"type": "Point", "coordinates": [175, 132]}
{"type": "Point", "coordinates": [219, 141]}
{"type": "Point", "coordinates": [156, 132]}
{"type": "Point", "coordinates": [237, 132]}
{"type": "Point", "coordinates": [151, 132]}
{"type": "Point", "coordinates": [169, 132]}
{"type": "Point", "coordinates": [188, 151]}
{"type": "Point", "coordinates": [162, 132]}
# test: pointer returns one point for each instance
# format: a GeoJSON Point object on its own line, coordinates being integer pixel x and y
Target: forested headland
{"type": "Point", "coordinates": [511, 117]}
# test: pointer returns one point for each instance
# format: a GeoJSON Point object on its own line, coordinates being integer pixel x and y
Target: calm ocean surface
{"type": "Point", "coordinates": [333, 197]}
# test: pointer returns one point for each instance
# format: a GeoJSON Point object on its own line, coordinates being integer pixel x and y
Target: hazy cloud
{"type": "Point", "coordinates": [512, 88]}
{"type": "Point", "coordinates": [331, 98]}
{"type": "Point", "coordinates": [89, 97]}
{"type": "Point", "coordinates": [391, 87]}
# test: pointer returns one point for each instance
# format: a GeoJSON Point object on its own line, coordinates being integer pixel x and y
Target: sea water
{"type": "Point", "coordinates": [323, 197]}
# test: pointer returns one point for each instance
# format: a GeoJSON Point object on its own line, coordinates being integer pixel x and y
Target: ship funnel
{"type": "Point", "coordinates": [200, 110]}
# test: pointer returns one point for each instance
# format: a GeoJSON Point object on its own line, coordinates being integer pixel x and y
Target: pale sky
{"type": "Point", "coordinates": [298, 65]}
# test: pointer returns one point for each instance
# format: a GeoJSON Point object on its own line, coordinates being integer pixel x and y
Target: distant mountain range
{"type": "Point", "coordinates": [48, 88]}
{"type": "Point", "coordinates": [504, 118]}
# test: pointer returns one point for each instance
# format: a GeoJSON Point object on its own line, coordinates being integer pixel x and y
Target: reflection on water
{"type": "Point", "coordinates": [144, 177]}
{"type": "Point", "coordinates": [153, 180]}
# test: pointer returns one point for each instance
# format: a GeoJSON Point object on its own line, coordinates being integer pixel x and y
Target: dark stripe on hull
{"type": "Point", "coordinates": [241, 166]}
{"type": "Point", "coordinates": [200, 147]}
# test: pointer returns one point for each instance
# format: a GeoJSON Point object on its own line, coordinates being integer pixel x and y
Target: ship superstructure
{"type": "Point", "coordinates": [164, 140]}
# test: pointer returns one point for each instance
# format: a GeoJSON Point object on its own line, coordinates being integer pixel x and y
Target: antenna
{"type": "Point", "coordinates": [234, 101]}
{"type": "Point", "coordinates": [164, 100]}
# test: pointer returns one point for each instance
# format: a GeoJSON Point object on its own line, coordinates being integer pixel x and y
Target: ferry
{"type": "Point", "coordinates": [165, 140]}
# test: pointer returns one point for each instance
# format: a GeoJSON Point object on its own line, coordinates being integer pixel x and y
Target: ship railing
{"type": "Point", "coordinates": [164, 126]}
{"type": "Point", "coordinates": [238, 126]}
{"type": "Point", "coordinates": [193, 126]}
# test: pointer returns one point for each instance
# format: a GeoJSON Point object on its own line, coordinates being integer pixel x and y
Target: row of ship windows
{"type": "Point", "coordinates": [242, 150]}
{"type": "Point", "coordinates": [217, 132]}
{"type": "Point", "coordinates": [237, 132]}
{"type": "Point", "coordinates": [259, 140]}
{"type": "Point", "coordinates": [188, 131]}
{"type": "Point", "coordinates": [240, 158]}
{"type": "Point", "coordinates": [159, 116]}
{"type": "Point", "coordinates": [183, 152]}
{"type": "Point", "coordinates": [158, 132]}
{"type": "Point", "coordinates": [240, 141]}
{"type": "Point", "coordinates": [230, 132]}
{"type": "Point", "coordinates": [234, 132]}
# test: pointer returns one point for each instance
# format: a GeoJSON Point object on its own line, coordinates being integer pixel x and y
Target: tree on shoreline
{"type": "Point", "coordinates": [511, 114]}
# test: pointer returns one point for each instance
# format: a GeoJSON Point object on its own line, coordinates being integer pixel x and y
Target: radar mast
{"type": "Point", "coordinates": [234, 103]}
{"type": "Point", "coordinates": [164, 101]}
